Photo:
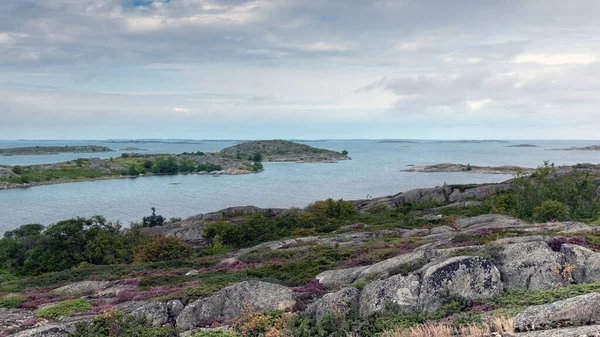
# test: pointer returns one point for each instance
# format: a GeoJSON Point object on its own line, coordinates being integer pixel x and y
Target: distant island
{"type": "Point", "coordinates": [522, 145]}
{"type": "Point", "coordinates": [583, 148]}
{"type": "Point", "coordinates": [448, 167]}
{"type": "Point", "coordinates": [243, 158]}
{"type": "Point", "coordinates": [284, 151]}
{"type": "Point", "coordinates": [154, 141]}
{"type": "Point", "coordinates": [132, 148]}
{"type": "Point", "coordinates": [46, 150]}
{"type": "Point", "coordinates": [399, 141]}
{"type": "Point", "coordinates": [474, 141]}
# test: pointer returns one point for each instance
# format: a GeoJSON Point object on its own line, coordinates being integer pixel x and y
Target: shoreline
{"type": "Point", "coordinates": [10, 186]}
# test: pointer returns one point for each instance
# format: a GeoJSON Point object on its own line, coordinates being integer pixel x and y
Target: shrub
{"type": "Point", "coordinates": [257, 157]}
{"type": "Point", "coordinates": [332, 209]}
{"type": "Point", "coordinates": [63, 309]}
{"type": "Point", "coordinates": [378, 207]}
{"type": "Point", "coordinates": [17, 169]}
{"type": "Point", "coordinates": [115, 323]}
{"type": "Point", "coordinates": [551, 210]}
{"type": "Point", "coordinates": [11, 301]}
{"type": "Point", "coordinates": [164, 249]}
{"type": "Point", "coordinates": [148, 164]}
{"type": "Point", "coordinates": [153, 220]}
{"type": "Point", "coordinates": [165, 166]}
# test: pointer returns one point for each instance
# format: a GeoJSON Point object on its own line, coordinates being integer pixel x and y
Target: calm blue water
{"type": "Point", "coordinates": [374, 171]}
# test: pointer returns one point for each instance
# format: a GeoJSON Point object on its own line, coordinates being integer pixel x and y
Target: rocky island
{"type": "Point", "coordinates": [583, 148]}
{"type": "Point", "coordinates": [132, 148]}
{"type": "Point", "coordinates": [522, 145]}
{"type": "Point", "coordinates": [457, 260]}
{"type": "Point", "coordinates": [47, 150]}
{"type": "Point", "coordinates": [447, 167]}
{"type": "Point", "coordinates": [244, 158]}
{"type": "Point", "coordinates": [284, 151]}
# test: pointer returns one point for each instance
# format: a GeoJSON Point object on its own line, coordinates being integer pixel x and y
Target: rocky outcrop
{"type": "Point", "coordinates": [579, 310]}
{"type": "Point", "coordinates": [580, 331]}
{"type": "Point", "coordinates": [468, 277]}
{"type": "Point", "coordinates": [340, 302]}
{"type": "Point", "coordinates": [530, 265]}
{"type": "Point", "coordinates": [334, 279]}
{"type": "Point", "coordinates": [228, 303]}
{"type": "Point", "coordinates": [6, 172]}
{"type": "Point", "coordinates": [585, 261]}
{"type": "Point", "coordinates": [449, 167]}
{"type": "Point", "coordinates": [156, 313]}
{"type": "Point", "coordinates": [400, 290]}
{"type": "Point", "coordinates": [84, 287]}
{"type": "Point", "coordinates": [54, 330]}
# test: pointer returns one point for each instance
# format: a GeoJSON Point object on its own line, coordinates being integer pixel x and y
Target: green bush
{"type": "Point", "coordinates": [17, 169]}
{"type": "Point", "coordinates": [551, 210]}
{"type": "Point", "coordinates": [165, 166]}
{"type": "Point", "coordinates": [164, 249]}
{"type": "Point", "coordinates": [11, 301]}
{"type": "Point", "coordinates": [63, 309]}
{"type": "Point", "coordinates": [153, 220]}
{"type": "Point", "coordinates": [115, 324]}
{"type": "Point", "coordinates": [344, 153]}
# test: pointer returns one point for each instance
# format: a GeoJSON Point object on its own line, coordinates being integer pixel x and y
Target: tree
{"type": "Point", "coordinates": [153, 220]}
{"type": "Point", "coordinates": [344, 153]}
{"type": "Point", "coordinates": [257, 157]}
{"type": "Point", "coordinates": [164, 249]}
{"type": "Point", "coordinates": [165, 166]}
{"type": "Point", "coordinates": [17, 169]}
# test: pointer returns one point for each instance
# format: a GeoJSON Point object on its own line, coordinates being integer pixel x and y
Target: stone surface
{"type": "Point", "coordinates": [585, 261]}
{"type": "Point", "coordinates": [86, 287]}
{"type": "Point", "coordinates": [228, 303]}
{"type": "Point", "coordinates": [401, 290]}
{"type": "Point", "coordinates": [469, 277]}
{"type": "Point", "coordinates": [580, 331]}
{"type": "Point", "coordinates": [340, 302]}
{"type": "Point", "coordinates": [333, 279]}
{"type": "Point", "coordinates": [488, 221]}
{"type": "Point", "coordinates": [529, 265]}
{"type": "Point", "coordinates": [54, 330]}
{"type": "Point", "coordinates": [577, 310]}
{"type": "Point", "coordinates": [390, 266]}
{"type": "Point", "coordinates": [157, 313]}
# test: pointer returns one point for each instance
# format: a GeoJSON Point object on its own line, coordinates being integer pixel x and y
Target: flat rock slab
{"type": "Point", "coordinates": [579, 310]}
{"type": "Point", "coordinates": [580, 331]}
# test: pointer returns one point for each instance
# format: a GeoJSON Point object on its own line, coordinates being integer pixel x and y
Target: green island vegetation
{"type": "Point", "coordinates": [35, 259]}
{"type": "Point", "coordinates": [41, 150]}
{"type": "Point", "coordinates": [240, 159]}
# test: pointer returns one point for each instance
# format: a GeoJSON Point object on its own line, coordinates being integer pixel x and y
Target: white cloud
{"type": "Point", "coordinates": [476, 105]}
{"type": "Point", "coordinates": [556, 59]}
{"type": "Point", "coordinates": [5, 38]}
{"type": "Point", "coordinates": [184, 110]}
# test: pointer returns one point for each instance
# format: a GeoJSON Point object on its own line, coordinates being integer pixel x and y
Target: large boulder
{"type": "Point", "coordinates": [579, 310]}
{"type": "Point", "coordinates": [400, 290]}
{"type": "Point", "coordinates": [340, 302]}
{"type": "Point", "coordinates": [335, 279]}
{"type": "Point", "coordinates": [530, 265]}
{"type": "Point", "coordinates": [437, 195]}
{"type": "Point", "coordinates": [228, 303]}
{"type": "Point", "coordinates": [469, 277]}
{"type": "Point", "coordinates": [585, 261]}
{"type": "Point", "coordinates": [156, 313]}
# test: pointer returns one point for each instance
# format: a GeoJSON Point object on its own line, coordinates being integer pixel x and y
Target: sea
{"type": "Point", "coordinates": [376, 169]}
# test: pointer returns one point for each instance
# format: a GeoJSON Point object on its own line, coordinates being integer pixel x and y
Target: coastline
{"type": "Point", "coordinates": [9, 186]}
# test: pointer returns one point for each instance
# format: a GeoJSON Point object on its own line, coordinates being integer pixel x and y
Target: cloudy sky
{"type": "Point", "coordinates": [83, 69]}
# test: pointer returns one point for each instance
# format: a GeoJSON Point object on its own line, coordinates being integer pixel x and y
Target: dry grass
{"type": "Point", "coordinates": [503, 324]}
{"type": "Point", "coordinates": [425, 330]}
{"type": "Point", "coordinates": [500, 324]}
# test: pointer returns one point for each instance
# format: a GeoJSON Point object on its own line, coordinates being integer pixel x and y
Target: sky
{"type": "Point", "coordinates": [299, 69]}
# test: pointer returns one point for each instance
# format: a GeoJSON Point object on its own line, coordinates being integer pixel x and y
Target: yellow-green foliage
{"type": "Point", "coordinates": [63, 309]}
{"type": "Point", "coordinates": [164, 249]}
{"type": "Point", "coordinates": [11, 301]}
